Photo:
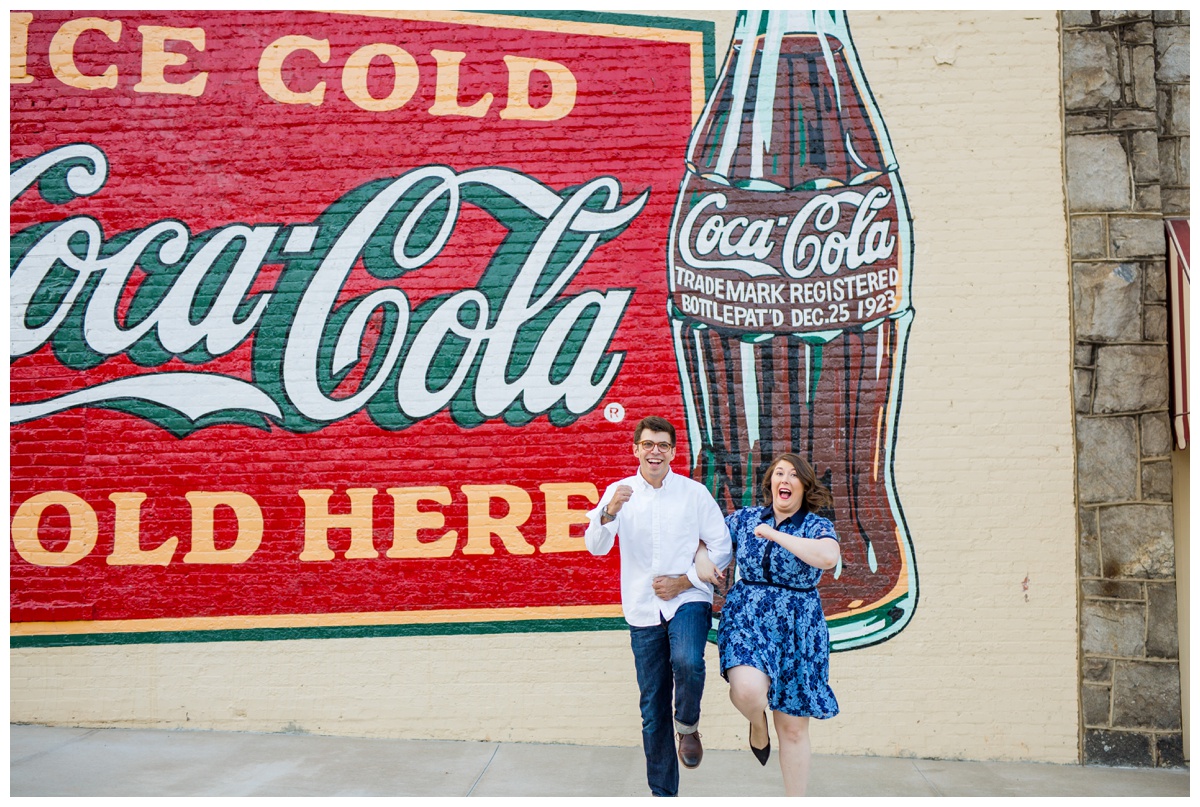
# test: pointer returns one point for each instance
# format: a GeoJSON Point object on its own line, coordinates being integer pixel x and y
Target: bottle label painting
{"type": "Point", "coordinates": [790, 268]}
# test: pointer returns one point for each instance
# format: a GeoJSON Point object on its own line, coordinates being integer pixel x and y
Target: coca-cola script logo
{"type": "Point", "coordinates": [512, 347]}
{"type": "Point", "coordinates": [833, 262]}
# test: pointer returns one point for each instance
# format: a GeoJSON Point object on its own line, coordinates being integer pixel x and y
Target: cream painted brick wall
{"type": "Point", "coordinates": [984, 462]}
{"type": "Point", "coordinates": [984, 469]}
{"type": "Point", "coordinates": [548, 687]}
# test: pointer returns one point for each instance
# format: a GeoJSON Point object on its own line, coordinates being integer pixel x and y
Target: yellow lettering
{"type": "Point", "coordinates": [29, 517]}
{"type": "Point", "coordinates": [270, 69]}
{"type": "Point", "coordinates": [481, 526]}
{"type": "Point", "coordinates": [127, 541]}
{"type": "Point", "coordinates": [249, 531]}
{"type": "Point", "coordinates": [354, 77]}
{"type": "Point", "coordinates": [18, 47]}
{"type": "Point", "coordinates": [562, 90]}
{"type": "Point", "coordinates": [445, 99]}
{"type": "Point", "coordinates": [62, 53]}
{"type": "Point", "coordinates": [560, 516]}
{"type": "Point", "coordinates": [318, 521]}
{"type": "Point", "coordinates": [409, 520]}
{"type": "Point", "coordinates": [156, 59]}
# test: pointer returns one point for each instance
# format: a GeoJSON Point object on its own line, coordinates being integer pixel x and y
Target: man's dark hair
{"type": "Point", "coordinates": [653, 424]}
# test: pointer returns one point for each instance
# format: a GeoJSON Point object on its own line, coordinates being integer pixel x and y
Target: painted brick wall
{"type": "Point", "coordinates": [445, 450]}
{"type": "Point", "coordinates": [983, 460]}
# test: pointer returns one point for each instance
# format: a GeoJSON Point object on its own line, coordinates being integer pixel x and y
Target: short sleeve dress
{"type": "Point", "coordinates": [772, 618]}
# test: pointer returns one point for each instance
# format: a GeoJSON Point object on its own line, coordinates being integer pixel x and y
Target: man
{"type": "Point", "coordinates": [662, 517]}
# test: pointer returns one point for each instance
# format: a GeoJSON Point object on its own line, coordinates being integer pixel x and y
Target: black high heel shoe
{"type": "Point", "coordinates": [761, 754]}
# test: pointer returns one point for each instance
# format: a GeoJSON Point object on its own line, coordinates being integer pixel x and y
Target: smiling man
{"type": "Point", "coordinates": [661, 518]}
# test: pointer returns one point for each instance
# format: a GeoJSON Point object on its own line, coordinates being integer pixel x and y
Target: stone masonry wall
{"type": "Point", "coordinates": [1126, 85]}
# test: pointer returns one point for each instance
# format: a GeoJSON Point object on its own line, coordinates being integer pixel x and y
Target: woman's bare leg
{"type": "Point", "coordinates": [795, 752]}
{"type": "Point", "coordinates": [748, 687]}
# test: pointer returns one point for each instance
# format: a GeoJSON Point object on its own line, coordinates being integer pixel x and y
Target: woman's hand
{"type": "Point", "coordinates": [705, 569]}
{"type": "Point", "coordinates": [769, 533]}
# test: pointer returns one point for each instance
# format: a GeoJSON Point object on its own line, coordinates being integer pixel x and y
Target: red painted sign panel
{"type": "Point", "coordinates": [332, 319]}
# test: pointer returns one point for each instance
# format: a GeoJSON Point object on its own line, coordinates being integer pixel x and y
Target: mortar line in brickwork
{"type": "Point", "coordinates": [487, 765]}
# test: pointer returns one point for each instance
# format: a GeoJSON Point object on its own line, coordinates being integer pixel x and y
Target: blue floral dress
{"type": "Point", "coordinates": [772, 618]}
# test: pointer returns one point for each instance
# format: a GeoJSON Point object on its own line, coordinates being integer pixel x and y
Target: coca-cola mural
{"type": "Point", "coordinates": [332, 323]}
{"type": "Point", "coordinates": [790, 273]}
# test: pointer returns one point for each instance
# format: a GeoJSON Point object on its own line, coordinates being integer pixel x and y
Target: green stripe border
{"type": "Point", "coordinates": [325, 632]}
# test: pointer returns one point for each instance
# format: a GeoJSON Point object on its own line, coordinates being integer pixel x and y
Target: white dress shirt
{"type": "Point", "coordinates": [660, 529]}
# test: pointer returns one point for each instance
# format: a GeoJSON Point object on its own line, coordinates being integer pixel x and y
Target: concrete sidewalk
{"type": "Point", "coordinates": [52, 761]}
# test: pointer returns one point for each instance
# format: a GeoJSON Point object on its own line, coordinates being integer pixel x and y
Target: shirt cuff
{"type": "Point", "coordinates": [697, 582]}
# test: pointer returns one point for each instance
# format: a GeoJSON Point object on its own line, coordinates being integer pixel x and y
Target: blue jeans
{"type": "Point", "coordinates": [670, 657]}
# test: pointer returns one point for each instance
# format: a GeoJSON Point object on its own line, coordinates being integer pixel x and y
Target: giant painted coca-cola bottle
{"type": "Point", "coordinates": [790, 261]}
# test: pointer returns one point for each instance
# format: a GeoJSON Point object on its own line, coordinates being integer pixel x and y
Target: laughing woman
{"type": "Point", "coordinates": [773, 640]}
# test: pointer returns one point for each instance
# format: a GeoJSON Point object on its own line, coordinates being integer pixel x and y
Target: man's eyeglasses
{"type": "Point", "coordinates": [647, 445]}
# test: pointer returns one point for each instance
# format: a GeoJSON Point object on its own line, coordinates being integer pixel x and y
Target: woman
{"type": "Point", "coordinates": [773, 641]}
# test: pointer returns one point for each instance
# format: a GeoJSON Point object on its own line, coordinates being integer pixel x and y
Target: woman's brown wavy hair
{"type": "Point", "coordinates": [816, 495]}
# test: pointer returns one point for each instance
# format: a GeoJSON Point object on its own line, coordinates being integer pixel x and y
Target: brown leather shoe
{"type": "Point", "coordinates": [690, 750]}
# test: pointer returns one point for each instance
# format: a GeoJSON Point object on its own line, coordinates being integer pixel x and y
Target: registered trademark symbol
{"type": "Point", "coordinates": [614, 413]}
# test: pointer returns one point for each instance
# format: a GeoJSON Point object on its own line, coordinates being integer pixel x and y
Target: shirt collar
{"type": "Point", "coordinates": [767, 513]}
{"type": "Point", "coordinates": [644, 485]}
